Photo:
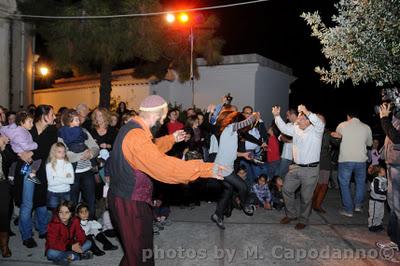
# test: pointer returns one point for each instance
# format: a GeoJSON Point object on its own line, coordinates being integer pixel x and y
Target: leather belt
{"type": "Point", "coordinates": [309, 165]}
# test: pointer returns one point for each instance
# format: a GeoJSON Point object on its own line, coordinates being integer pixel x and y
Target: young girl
{"type": "Point", "coordinates": [92, 230]}
{"type": "Point", "coordinates": [66, 241]}
{"type": "Point", "coordinates": [273, 153]}
{"type": "Point", "coordinates": [60, 175]}
{"type": "Point", "coordinates": [21, 141]}
{"type": "Point", "coordinates": [276, 192]}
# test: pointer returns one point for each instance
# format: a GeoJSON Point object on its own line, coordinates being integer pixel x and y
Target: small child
{"type": "Point", "coordinates": [21, 141]}
{"type": "Point", "coordinates": [273, 153]}
{"type": "Point", "coordinates": [276, 192]}
{"type": "Point", "coordinates": [377, 199]}
{"type": "Point", "coordinates": [260, 194]}
{"type": "Point", "coordinates": [161, 213]}
{"type": "Point", "coordinates": [93, 231]}
{"type": "Point", "coordinates": [60, 175]}
{"type": "Point", "coordinates": [242, 173]}
{"type": "Point", "coordinates": [71, 133]}
{"type": "Point", "coordinates": [66, 241]}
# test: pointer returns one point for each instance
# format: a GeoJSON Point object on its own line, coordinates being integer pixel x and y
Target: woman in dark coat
{"type": "Point", "coordinates": [30, 196]}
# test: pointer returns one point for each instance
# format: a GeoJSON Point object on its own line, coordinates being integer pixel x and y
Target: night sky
{"type": "Point", "coordinates": [275, 30]}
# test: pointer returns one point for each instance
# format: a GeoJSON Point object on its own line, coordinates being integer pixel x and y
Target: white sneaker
{"type": "Point", "coordinates": [386, 245]}
{"type": "Point", "coordinates": [344, 213]}
{"type": "Point", "coordinates": [358, 209]}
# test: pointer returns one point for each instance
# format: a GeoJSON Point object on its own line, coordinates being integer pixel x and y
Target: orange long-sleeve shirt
{"type": "Point", "coordinates": [148, 157]}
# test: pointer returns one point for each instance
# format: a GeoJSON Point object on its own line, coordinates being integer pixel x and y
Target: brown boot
{"type": "Point", "coordinates": [321, 196]}
{"type": "Point", "coordinates": [5, 251]}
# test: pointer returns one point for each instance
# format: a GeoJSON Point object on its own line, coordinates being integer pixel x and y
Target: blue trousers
{"type": "Point", "coordinates": [25, 212]}
{"type": "Point", "coordinates": [58, 255]}
{"type": "Point", "coordinates": [346, 169]}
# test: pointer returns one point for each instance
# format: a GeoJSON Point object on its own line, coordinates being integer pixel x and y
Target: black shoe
{"type": "Point", "coordinates": [159, 225]}
{"type": "Point", "coordinates": [377, 228]}
{"type": "Point", "coordinates": [87, 255]}
{"type": "Point", "coordinates": [218, 221]}
{"type": "Point", "coordinates": [29, 243]}
{"type": "Point", "coordinates": [43, 236]}
{"type": "Point", "coordinates": [107, 245]}
{"type": "Point", "coordinates": [96, 250]}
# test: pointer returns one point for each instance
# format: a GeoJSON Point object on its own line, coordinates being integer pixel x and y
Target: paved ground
{"type": "Point", "coordinates": [259, 240]}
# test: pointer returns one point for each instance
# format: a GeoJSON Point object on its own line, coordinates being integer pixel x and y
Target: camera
{"type": "Point", "coordinates": [228, 98]}
{"type": "Point", "coordinates": [391, 97]}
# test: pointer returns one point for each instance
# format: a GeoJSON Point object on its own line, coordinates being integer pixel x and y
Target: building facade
{"type": "Point", "coordinates": [17, 64]}
{"type": "Point", "coordinates": [251, 79]}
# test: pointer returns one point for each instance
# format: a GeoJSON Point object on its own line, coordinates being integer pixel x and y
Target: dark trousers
{"type": "Point", "coordinates": [84, 182]}
{"type": "Point", "coordinates": [230, 183]}
{"type": "Point", "coordinates": [394, 203]}
{"type": "Point", "coordinates": [5, 199]}
{"type": "Point", "coordinates": [134, 222]}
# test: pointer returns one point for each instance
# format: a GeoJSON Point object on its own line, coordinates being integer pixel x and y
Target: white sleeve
{"type": "Point", "coordinates": [287, 129]}
{"type": "Point", "coordinates": [317, 122]}
{"type": "Point", "coordinates": [69, 170]}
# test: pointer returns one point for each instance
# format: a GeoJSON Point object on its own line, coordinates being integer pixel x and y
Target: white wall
{"type": "Point", "coordinates": [213, 84]}
{"type": "Point", "coordinates": [272, 88]}
{"type": "Point", "coordinates": [71, 97]}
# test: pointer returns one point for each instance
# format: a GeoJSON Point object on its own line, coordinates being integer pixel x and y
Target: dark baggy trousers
{"type": "Point", "coordinates": [134, 222]}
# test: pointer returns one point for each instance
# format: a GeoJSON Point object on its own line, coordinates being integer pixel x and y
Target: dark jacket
{"type": "Point", "coordinates": [62, 237]}
{"type": "Point", "coordinates": [391, 150]}
{"type": "Point", "coordinates": [44, 141]}
{"type": "Point", "coordinates": [122, 176]}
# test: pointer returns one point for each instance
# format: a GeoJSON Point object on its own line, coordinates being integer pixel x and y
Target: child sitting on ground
{"type": "Point", "coordinates": [66, 241]}
{"type": "Point", "coordinates": [276, 192]}
{"type": "Point", "coordinates": [93, 231]}
{"type": "Point", "coordinates": [60, 175]}
{"type": "Point", "coordinates": [260, 194]}
{"type": "Point", "coordinates": [21, 141]}
{"type": "Point", "coordinates": [377, 198]}
{"type": "Point", "coordinates": [161, 213]}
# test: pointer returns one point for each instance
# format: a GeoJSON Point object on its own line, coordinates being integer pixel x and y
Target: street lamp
{"type": "Point", "coordinates": [184, 18]}
{"type": "Point", "coordinates": [44, 70]}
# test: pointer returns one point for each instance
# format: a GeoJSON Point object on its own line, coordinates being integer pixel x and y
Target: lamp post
{"type": "Point", "coordinates": [184, 18]}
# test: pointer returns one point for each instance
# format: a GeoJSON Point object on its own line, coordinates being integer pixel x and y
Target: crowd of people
{"type": "Point", "coordinates": [81, 176]}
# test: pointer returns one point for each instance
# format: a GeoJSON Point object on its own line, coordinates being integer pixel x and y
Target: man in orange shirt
{"type": "Point", "coordinates": [134, 159]}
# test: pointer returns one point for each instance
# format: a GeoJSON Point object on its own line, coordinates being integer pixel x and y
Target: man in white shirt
{"type": "Point", "coordinates": [287, 150]}
{"type": "Point", "coordinates": [356, 136]}
{"type": "Point", "coordinates": [307, 137]}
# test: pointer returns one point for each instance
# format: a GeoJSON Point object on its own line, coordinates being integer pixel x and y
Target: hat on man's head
{"type": "Point", "coordinates": [153, 103]}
